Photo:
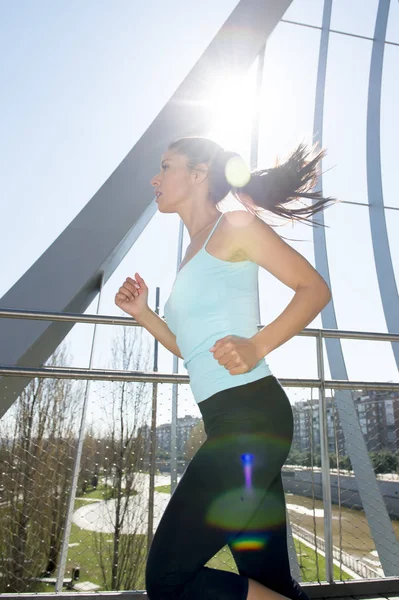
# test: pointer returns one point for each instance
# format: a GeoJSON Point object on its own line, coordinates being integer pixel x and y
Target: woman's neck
{"type": "Point", "coordinates": [197, 224]}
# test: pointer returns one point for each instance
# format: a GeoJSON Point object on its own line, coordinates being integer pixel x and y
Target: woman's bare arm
{"type": "Point", "coordinates": [132, 297]}
{"type": "Point", "coordinates": [262, 245]}
{"type": "Point", "coordinates": [159, 329]}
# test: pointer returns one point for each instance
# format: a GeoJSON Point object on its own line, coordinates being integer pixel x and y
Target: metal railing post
{"type": "Point", "coordinates": [325, 464]}
{"type": "Point", "coordinates": [76, 467]}
{"type": "Point", "coordinates": [153, 440]}
{"type": "Point", "coordinates": [175, 387]}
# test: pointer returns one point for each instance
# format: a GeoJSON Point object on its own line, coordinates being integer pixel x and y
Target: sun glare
{"type": "Point", "coordinates": [232, 102]}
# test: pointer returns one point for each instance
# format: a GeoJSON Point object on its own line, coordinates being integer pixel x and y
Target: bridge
{"type": "Point", "coordinates": [80, 493]}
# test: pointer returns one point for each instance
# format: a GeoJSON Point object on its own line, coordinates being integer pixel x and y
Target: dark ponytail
{"type": "Point", "coordinates": [269, 189]}
{"type": "Point", "coordinates": [272, 189]}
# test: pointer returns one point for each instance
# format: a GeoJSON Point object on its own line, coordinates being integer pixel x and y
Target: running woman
{"type": "Point", "coordinates": [231, 492]}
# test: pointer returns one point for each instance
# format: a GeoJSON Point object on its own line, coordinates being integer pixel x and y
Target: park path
{"type": "Point", "coordinates": [100, 515]}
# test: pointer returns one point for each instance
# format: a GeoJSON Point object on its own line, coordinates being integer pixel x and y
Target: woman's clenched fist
{"type": "Point", "coordinates": [132, 297]}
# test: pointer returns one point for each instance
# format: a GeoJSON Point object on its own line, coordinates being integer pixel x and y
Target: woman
{"type": "Point", "coordinates": [231, 492]}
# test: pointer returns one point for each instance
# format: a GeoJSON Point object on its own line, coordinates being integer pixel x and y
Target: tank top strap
{"type": "Point", "coordinates": [212, 230]}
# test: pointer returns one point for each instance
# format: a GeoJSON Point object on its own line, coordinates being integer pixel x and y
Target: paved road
{"type": "Point", "coordinates": [100, 515]}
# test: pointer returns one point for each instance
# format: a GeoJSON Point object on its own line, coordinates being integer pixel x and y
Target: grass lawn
{"type": "Point", "coordinates": [102, 492]}
{"type": "Point", "coordinates": [307, 564]}
{"type": "Point", "coordinates": [307, 560]}
{"type": "Point", "coordinates": [163, 489]}
{"type": "Point", "coordinates": [306, 556]}
{"type": "Point", "coordinates": [85, 556]}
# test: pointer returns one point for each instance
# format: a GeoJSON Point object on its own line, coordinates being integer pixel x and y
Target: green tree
{"type": "Point", "coordinates": [129, 407]}
{"type": "Point", "coordinates": [38, 439]}
{"type": "Point", "coordinates": [195, 440]}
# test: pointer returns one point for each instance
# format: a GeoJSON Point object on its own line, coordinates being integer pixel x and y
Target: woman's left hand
{"type": "Point", "coordinates": [237, 354]}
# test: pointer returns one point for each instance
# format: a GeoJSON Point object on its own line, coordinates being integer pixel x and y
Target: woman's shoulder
{"type": "Point", "coordinates": [234, 225]}
{"type": "Point", "coordinates": [243, 230]}
{"type": "Point", "coordinates": [237, 224]}
{"type": "Point", "coordinates": [237, 218]}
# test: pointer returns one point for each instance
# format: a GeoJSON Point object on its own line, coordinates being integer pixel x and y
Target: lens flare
{"type": "Point", "coordinates": [237, 172]}
{"type": "Point", "coordinates": [247, 460]}
{"type": "Point", "coordinates": [244, 504]}
{"type": "Point", "coordinates": [249, 542]}
{"type": "Point", "coordinates": [241, 509]}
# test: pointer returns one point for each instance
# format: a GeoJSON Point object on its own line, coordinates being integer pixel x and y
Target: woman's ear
{"type": "Point", "coordinates": [200, 172]}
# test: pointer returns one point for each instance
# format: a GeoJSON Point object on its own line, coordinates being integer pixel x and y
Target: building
{"type": "Point", "coordinates": [307, 427]}
{"type": "Point", "coordinates": [164, 433]}
{"type": "Point", "coordinates": [378, 413]}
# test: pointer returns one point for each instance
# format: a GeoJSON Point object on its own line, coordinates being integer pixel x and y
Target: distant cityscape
{"type": "Point", "coordinates": [378, 413]}
{"type": "Point", "coordinates": [184, 429]}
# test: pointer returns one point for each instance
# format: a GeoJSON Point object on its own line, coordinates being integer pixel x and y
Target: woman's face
{"type": "Point", "coordinates": [174, 183]}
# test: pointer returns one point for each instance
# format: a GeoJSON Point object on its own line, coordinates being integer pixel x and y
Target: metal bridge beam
{"type": "Point", "coordinates": [67, 276]}
{"type": "Point", "coordinates": [373, 503]}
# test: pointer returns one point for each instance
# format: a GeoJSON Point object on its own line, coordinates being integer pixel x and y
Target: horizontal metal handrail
{"type": "Point", "coordinates": [37, 315]}
{"type": "Point", "coordinates": [7, 313]}
{"type": "Point", "coordinates": [156, 377]}
{"type": "Point", "coordinates": [374, 588]}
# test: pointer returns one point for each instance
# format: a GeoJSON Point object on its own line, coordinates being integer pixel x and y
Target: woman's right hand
{"type": "Point", "coordinates": [132, 297]}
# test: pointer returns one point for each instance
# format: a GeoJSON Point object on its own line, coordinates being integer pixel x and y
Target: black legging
{"type": "Point", "coordinates": [230, 493]}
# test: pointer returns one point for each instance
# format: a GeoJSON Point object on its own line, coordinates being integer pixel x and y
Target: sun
{"type": "Point", "coordinates": [231, 102]}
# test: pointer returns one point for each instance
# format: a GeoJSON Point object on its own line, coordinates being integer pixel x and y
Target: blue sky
{"type": "Point", "coordinates": [82, 81]}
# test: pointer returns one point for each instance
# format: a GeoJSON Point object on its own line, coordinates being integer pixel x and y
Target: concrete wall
{"type": "Point", "coordinates": [300, 483]}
